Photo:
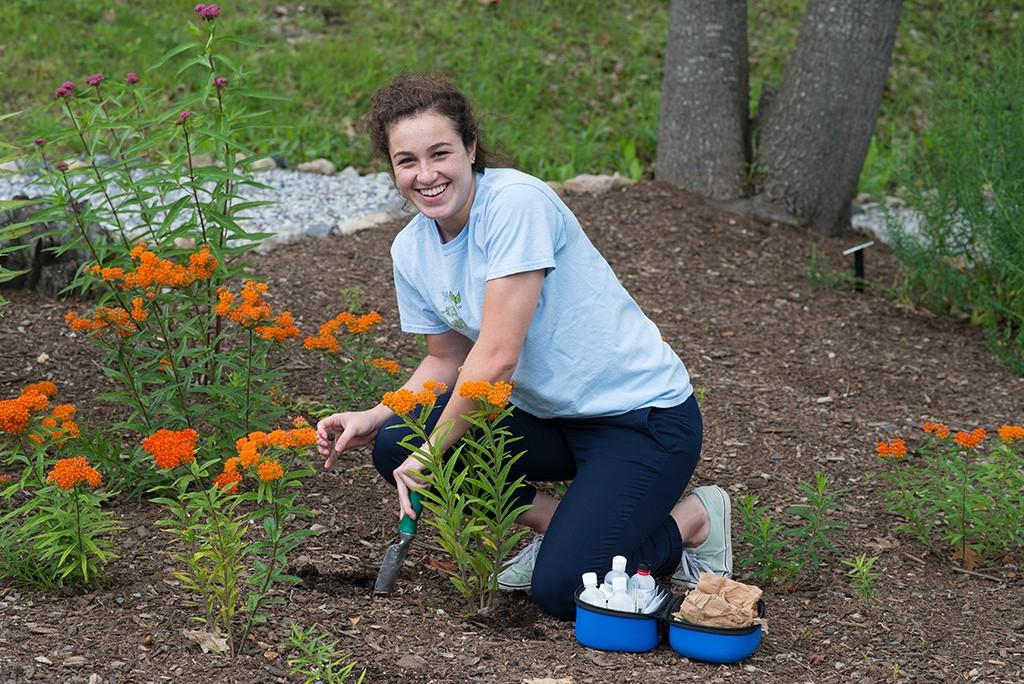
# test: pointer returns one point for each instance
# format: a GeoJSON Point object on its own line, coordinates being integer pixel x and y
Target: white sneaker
{"type": "Point", "coordinates": [518, 574]}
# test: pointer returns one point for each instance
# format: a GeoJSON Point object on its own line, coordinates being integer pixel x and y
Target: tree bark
{"type": "Point", "coordinates": [818, 127]}
{"type": "Point", "coordinates": [703, 124]}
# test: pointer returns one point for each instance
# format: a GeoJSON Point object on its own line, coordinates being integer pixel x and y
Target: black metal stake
{"type": "Point", "coordinates": [858, 263]}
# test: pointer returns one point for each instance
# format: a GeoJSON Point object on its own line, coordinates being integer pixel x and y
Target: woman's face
{"type": "Point", "coordinates": [433, 169]}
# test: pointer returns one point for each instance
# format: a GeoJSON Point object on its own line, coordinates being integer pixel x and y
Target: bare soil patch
{"type": "Point", "coordinates": [797, 378]}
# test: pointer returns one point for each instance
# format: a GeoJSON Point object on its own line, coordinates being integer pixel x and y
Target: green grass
{"type": "Point", "coordinates": [563, 87]}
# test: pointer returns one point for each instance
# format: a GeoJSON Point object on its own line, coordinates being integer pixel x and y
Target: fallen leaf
{"type": "Point", "coordinates": [355, 620]}
{"type": "Point", "coordinates": [271, 655]}
{"type": "Point", "coordinates": [147, 640]}
{"type": "Point", "coordinates": [728, 333]}
{"type": "Point", "coordinates": [881, 544]}
{"type": "Point", "coordinates": [209, 642]}
{"type": "Point", "coordinates": [968, 557]}
{"type": "Point", "coordinates": [443, 566]}
{"type": "Point", "coordinates": [411, 661]}
{"type": "Point", "coordinates": [44, 660]}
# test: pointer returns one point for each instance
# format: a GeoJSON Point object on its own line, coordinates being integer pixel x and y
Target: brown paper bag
{"type": "Point", "coordinates": [721, 602]}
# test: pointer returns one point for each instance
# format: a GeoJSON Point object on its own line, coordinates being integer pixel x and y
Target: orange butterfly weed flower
{"type": "Point", "coordinates": [68, 472]}
{"type": "Point", "coordinates": [400, 401]}
{"type": "Point", "coordinates": [387, 365]}
{"type": "Point", "coordinates": [269, 470]}
{"type": "Point", "coordinates": [46, 388]}
{"type": "Point", "coordinates": [283, 328]}
{"type": "Point", "coordinates": [970, 440]}
{"type": "Point", "coordinates": [937, 429]}
{"type": "Point", "coordinates": [252, 308]}
{"type": "Point", "coordinates": [171, 449]}
{"type": "Point", "coordinates": [897, 448]}
{"type": "Point", "coordinates": [153, 271]}
{"type": "Point", "coordinates": [361, 324]}
{"type": "Point", "coordinates": [435, 386]}
{"type": "Point", "coordinates": [202, 264]}
{"type": "Point", "coordinates": [139, 314]}
{"type": "Point", "coordinates": [303, 436]}
{"type": "Point", "coordinates": [117, 320]}
{"type": "Point", "coordinates": [15, 414]}
{"type": "Point", "coordinates": [301, 422]}
{"type": "Point", "coordinates": [110, 274]}
{"type": "Point", "coordinates": [496, 394]}
{"type": "Point", "coordinates": [228, 481]}
{"type": "Point", "coordinates": [63, 411]}
{"type": "Point", "coordinates": [1009, 433]}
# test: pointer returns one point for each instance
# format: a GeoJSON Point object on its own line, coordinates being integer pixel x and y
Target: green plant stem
{"type": "Point", "coordinates": [192, 182]}
{"type": "Point", "coordinates": [268, 577]}
{"type": "Point", "coordinates": [963, 509]}
{"type": "Point", "coordinates": [248, 381]}
{"type": "Point", "coordinates": [78, 530]}
{"type": "Point", "coordinates": [99, 176]}
{"type": "Point", "coordinates": [165, 334]}
{"type": "Point", "coordinates": [135, 390]}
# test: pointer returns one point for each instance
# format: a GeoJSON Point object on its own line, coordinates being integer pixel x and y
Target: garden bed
{"type": "Point", "coordinates": [795, 378]}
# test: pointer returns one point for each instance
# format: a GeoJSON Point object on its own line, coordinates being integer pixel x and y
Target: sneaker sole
{"type": "Point", "coordinates": [509, 587]}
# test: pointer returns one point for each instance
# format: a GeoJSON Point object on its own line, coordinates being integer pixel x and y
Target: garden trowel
{"type": "Point", "coordinates": [394, 558]}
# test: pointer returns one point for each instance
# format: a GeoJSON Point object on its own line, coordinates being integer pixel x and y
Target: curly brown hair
{"type": "Point", "coordinates": [411, 94]}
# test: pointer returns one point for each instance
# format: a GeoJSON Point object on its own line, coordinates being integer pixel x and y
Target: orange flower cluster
{"type": "Point", "coordinates": [894, 449]}
{"type": "Point", "coordinates": [115, 319]}
{"type": "Point", "coordinates": [403, 401]}
{"type": "Point", "coordinates": [152, 271]}
{"type": "Point", "coordinates": [171, 449]}
{"type": "Point", "coordinates": [68, 472]}
{"type": "Point", "coordinates": [327, 338]}
{"type": "Point", "coordinates": [253, 309]}
{"type": "Point", "coordinates": [16, 413]}
{"type": "Point", "coordinates": [937, 429]}
{"type": "Point", "coordinates": [385, 364]}
{"type": "Point", "coordinates": [1009, 433]}
{"type": "Point", "coordinates": [282, 328]}
{"type": "Point", "coordinates": [67, 429]}
{"type": "Point", "coordinates": [249, 456]}
{"type": "Point", "coordinates": [496, 394]}
{"type": "Point", "coordinates": [970, 440]}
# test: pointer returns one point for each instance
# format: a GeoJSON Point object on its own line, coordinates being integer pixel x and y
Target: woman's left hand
{"type": "Point", "coordinates": [408, 476]}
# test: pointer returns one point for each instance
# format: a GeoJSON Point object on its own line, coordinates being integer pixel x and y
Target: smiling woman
{"type": "Point", "coordinates": [497, 273]}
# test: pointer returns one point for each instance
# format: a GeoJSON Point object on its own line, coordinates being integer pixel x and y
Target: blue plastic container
{"type": "Point", "coordinates": [713, 644]}
{"type": "Point", "coordinates": [613, 630]}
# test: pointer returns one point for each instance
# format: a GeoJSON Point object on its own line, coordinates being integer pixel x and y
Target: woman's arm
{"type": "Point", "coordinates": [445, 353]}
{"type": "Point", "coordinates": [509, 305]}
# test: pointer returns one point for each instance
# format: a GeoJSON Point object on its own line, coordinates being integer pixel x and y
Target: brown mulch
{"type": "Point", "coordinates": [796, 378]}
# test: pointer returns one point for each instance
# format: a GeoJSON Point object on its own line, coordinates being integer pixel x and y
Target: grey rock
{"type": "Point", "coordinates": [264, 164]}
{"type": "Point", "coordinates": [586, 183]}
{"type": "Point", "coordinates": [321, 166]}
{"type": "Point", "coordinates": [319, 230]}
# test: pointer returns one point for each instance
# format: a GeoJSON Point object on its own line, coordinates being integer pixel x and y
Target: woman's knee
{"type": "Point", "coordinates": [388, 454]}
{"type": "Point", "coordinates": [554, 586]}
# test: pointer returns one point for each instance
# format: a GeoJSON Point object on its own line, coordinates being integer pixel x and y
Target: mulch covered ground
{"type": "Point", "coordinates": [796, 378]}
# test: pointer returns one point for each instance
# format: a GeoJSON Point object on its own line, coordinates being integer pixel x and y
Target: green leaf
{"type": "Point", "coordinates": [177, 50]}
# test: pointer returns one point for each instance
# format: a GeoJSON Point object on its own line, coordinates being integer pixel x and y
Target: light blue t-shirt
{"type": "Point", "coordinates": [589, 351]}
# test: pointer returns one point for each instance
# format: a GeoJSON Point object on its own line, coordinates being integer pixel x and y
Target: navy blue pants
{"type": "Point", "coordinates": [627, 473]}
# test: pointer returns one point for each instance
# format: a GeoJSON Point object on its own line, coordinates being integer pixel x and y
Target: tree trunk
{"type": "Point", "coordinates": [703, 124]}
{"type": "Point", "coordinates": [818, 127]}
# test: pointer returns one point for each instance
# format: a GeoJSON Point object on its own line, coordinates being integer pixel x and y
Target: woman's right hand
{"type": "Point", "coordinates": [350, 430]}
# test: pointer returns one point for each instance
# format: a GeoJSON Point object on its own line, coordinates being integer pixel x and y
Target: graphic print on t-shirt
{"type": "Point", "coordinates": [452, 311]}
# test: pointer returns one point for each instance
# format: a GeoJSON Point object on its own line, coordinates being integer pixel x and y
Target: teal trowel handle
{"type": "Point", "coordinates": [407, 524]}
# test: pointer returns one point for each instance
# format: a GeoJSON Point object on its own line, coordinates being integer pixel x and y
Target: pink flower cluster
{"type": "Point", "coordinates": [220, 82]}
{"type": "Point", "coordinates": [66, 89]}
{"type": "Point", "coordinates": [208, 12]}
{"type": "Point", "coordinates": [183, 117]}
{"type": "Point", "coordinates": [131, 77]}
{"type": "Point", "coordinates": [95, 79]}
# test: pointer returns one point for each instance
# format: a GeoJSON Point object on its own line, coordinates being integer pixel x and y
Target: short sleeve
{"type": "Point", "coordinates": [524, 230]}
{"type": "Point", "coordinates": [414, 311]}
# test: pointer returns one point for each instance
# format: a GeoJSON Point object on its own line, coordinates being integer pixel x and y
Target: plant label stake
{"type": "Point", "coordinates": [858, 263]}
{"type": "Point", "coordinates": [394, 558]}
